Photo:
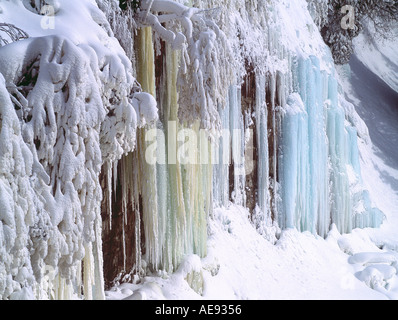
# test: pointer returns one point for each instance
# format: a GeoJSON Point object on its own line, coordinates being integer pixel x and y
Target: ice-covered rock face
{"type": "Point", "coordinates": [308, 172]}
{"type": "Point", "coordinates": [241, 68]}
{"type": "Point", "coordinates": [70, 106]}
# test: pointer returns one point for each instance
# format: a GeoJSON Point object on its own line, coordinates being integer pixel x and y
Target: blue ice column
{"type": "Point", "coordinates": [351, 205]}
{"type": "Point", "coordinates": [316, 219]}
{"type": "Point", "coordinates": [319, 165]}
{"type": "Point", "coordinates": [363, 215]}
{"type": "Point", "coordinates": [304, 160]}
{"type": "Point", "coordinates": [294, 164]}
{"type": "Point", "coordinates": [341, 205]}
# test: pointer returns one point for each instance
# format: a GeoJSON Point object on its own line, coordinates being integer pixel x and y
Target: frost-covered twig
{"type": "Point", "coordinates": [148, 9]}
{"type": "Point", "coordinates": [14, 33]}
{"type": "Point", "coordinates": [41, 6]}
{"type": "Point", "coordinates": [156, 12]}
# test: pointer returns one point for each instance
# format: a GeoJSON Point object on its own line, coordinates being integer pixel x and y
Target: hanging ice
{"type": "Point", "coordinates": [320, 163]}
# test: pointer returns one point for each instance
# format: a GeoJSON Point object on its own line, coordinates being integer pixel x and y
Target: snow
{"type": "Point", "coordinates": [241, 264]}
{"type": "Point", "coordinates": [379, 54]}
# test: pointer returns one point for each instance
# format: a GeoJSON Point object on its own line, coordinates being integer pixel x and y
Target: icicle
{"type": "Point", "coordinates": [221, 159]}
{"type": "Point", "coordinates": [88, 273]}
{"type": "Point", "coordinates": [109, 191]}
{"type": "Point", "coordinates": [79, 278]}
{"type": "Point", "coordinates": [99, 290]}
{"type": "Point", "coordinates": [262, 145]}
{"type": "Point", "coordinates": [124, 238]}
{"type": "Point", "coordinates": [294, 168]}
{"type": "Point", "coordinates": [146, 77]}
{"type": "Point", "coordinates": [177, 207]}
{"type": "Point", "coordinates": [272, 117]}
{"type": "Point", "coordinates": [237, 145]}
{"type": "Point", "coordinates": [127, 195]}
{"type": "Point", "coordinates": [341, 202]}
{"type": "Point", "coordinates": [114, 174]}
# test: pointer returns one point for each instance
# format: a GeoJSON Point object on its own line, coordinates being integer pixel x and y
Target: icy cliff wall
{"type": "Point", "coordinates": [282, 142]}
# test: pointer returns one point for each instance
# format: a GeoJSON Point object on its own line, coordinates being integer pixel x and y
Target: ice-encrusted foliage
{"type": "Point", "coordinates": [203, 76]}
{"type": "Point", "coordinates": [319, 11]}
{"type": "Point", "coordinates": [122, 24]}
{"type": "Point", "coordinates": [17, 201]}
{"type": "Point", "coordinates": [68, 109]}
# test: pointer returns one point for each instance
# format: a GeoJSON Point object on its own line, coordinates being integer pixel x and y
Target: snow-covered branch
{"type": "Point", "coordinates": [193, 31]}
{"type": "Point", "coordinates": [13, 33]}
{"type": "Point", "coordinates": [66, 108]}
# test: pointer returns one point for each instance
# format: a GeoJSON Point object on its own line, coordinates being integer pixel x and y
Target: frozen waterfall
{"type": "Point", "coordinates": [116, 145]}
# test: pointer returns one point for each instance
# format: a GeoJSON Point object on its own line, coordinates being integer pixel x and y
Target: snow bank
{"type": "Point", "coordinates": [379, 54]}
{"type": "Point", "coordinates": [242, 264]}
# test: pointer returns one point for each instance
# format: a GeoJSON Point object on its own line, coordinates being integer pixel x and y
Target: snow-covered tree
{"type": "Point", "coordinates": [345, 20]}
